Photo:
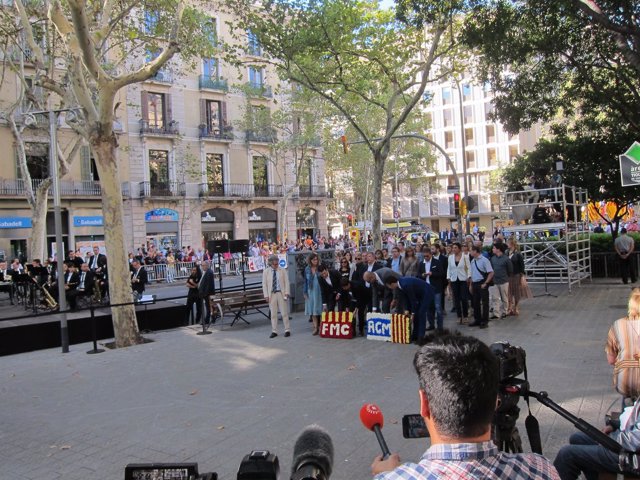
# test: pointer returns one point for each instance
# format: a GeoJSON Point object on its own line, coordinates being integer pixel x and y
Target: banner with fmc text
{"type": "Point", "coordinates": [337, 325]}
{"type": "Point", "coordinates": [387, 327]}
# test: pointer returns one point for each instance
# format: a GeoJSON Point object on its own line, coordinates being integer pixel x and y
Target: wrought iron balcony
{"type": "Point", "coordinates": [68, 188]}
{"type": "Point", "coordinates": [213, 83]}
{"type": "Point", "coordinates": [163, 76]}
{"type": "Point", "coordinates": [161, 189]}
{"type": "Point", "coordinates": [259, 89]}
{"type": "Point", "coordinates": [240, 190]}
{"type": "Point", "coordinates": [265, 135]}
{"type": "Point", "coordinates": [147, 128]}
{"type": "Point", "coordinates": [224, 133]}
{"type": "Point", "coordinates": [308, 191]}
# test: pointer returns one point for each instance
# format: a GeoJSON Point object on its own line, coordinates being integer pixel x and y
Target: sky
{"type": "Point", "coordinates": [386, 3]}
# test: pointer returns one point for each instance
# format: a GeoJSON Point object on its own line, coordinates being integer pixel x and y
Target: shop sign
{"type": "Point", "coordinates": [217, 215]}
{"type": "Point", "coordinates": [97, 221]}
{"type": "Point", "coordinates": [161, 215]}
{"type": "Point", "coordinates": [15, 222]}
{"type": "Point", "coordinates": [630, 166]}
{"type": "Point", "coordinates": [263, 215]}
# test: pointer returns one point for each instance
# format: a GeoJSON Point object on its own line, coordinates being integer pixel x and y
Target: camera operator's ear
{"type": "Point", "coordinates": [425, 410]}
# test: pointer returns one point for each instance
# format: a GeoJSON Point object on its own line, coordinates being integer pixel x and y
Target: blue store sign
{"type": "Point", "coordinates": [15, 222]}
{"type": "Point", "coordinates": [161, 215]}
{"type": "Point", "coordinates": [88, 221]}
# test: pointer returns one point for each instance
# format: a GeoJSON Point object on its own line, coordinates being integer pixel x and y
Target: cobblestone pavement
{"type": "Point", "coordinates": [212, 399]}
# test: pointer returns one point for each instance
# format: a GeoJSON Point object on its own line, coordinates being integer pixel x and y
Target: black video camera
{"type": "Point", "coordinates": [512, 360]}
{"type": "Point", "coordinates": [257, 465]}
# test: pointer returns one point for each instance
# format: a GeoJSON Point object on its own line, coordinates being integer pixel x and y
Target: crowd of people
{"type": "Point", "coordinates": [403, 280]}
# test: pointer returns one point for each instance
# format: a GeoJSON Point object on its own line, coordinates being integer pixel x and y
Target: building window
{"type": "Point", "coordinates": [491, 133]}
{"type": "Point", "coordinates": [468, 114]}
{"type": "Point", "coordinates": [513, 152]}
{"type": "Point", "coordinates": [253, 45]}
{"type": "Point", "coordinates": [210, 31]}
{"type": "Point", "coordinates": [159, 168]}
{"type": "Point", "coordinates": [305, 172]}
{"type": "Point", "coordinates": [449, 140]}
{"type": "Point", "coordinates": [446, 96]}
{"type": "Point", "coordinates": [492, 157]}
{"type": "Point", "coordinates": [256, 77]}
{"type": "Point", "coordinates": [38, 165]}
{"type": "Point", "coordinates": [473, 182]}
{"type": "Point", "coordinates": [447, 117]}
{"type": "Point", "coordinates": [452, 181]}
{"type": "Point", "coordinates": [156, 110]}
{"type": "Point", "coordinates": [214, 118]}
{"type": "Point", "coordinates": [471, 159]}
{"type": "Point", "coordinates": [210, 68]}
{"type": "Point", "coordinates": [467, 92]}
{"type": "Point", "coordinates": [215, 172]}
{"type": "Point", "coordinates": [488, 112]}
{"type": "Point", "coordinates": [469, 136]}
{"type": "Point", "coordinates": [260, 178]}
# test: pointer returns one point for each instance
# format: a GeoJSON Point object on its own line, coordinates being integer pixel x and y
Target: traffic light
{"type": "Point", "coordinates": [456, 204]}
{"type": "Point", "coordinates": [350, 220]}
{"type": "Point", "coordinates": [345, 145]}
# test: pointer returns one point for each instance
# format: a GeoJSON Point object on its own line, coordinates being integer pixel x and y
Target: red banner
{"type": "Point", "coordinates": [337, 325]}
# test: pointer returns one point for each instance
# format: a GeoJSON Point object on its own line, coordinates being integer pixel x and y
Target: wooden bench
{"type": "Point", "coordinates": [238, 304]}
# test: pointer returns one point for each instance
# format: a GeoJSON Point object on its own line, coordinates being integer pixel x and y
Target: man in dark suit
{"type": "Point", "coordinates": [419, 297]}
{"type": "Point", "coordinates": [378, 278]}
{"type": "Point", "coordinates": [439, 254]}
{"type": "Point", "coordinates": [329, 281]}
{"type": "Point", "coordinates": [206, 287]}
{"type": "Point", "coordinates": [139, 277]}
{"type": "Point", "coordinates": [84, 287]}
{"type": "Point", "coordinates": [97, 261]}
{"type": "Point", "coordinates": [358, 276]}
{"type": "Point", "coordinates": [354, 295]}
{"type": "Point", "coordinates": [432, 271]}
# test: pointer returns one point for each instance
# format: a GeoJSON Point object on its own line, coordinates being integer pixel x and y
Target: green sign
{"type": "Point", "coordinates": [630, 166]}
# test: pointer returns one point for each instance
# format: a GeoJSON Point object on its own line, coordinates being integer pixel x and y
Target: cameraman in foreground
{"type": "Point", "coordinates": [458, 391]}
{"type": "Point", "coordinates": [585, 455]}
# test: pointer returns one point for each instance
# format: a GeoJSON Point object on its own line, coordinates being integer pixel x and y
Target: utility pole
{"type": "Point", "coordinates": [463, 141]}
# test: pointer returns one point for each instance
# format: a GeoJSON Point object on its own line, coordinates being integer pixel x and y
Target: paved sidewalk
{"type": "Point", "coordinates": [212, 399]}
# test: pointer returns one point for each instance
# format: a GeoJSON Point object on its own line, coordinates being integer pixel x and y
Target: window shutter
{"type": "Point", "coordinates": [223, 113]}
{"type": "Point", "coordinates": [203, 111]}
{"type": "Point", "coordinates": [144, 104]}
{"type": "Point", "coordinates": [168, 109]}
{"type": "Point", "coordinates": [85, 163]}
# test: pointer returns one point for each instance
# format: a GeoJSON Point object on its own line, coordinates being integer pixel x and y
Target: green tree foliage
{"type": "Point", "coordinates": [101, 47]}
{"type": "Point", "coordinates": [562, 58]}
{"type": "Point", "coordinates": [372, 69]}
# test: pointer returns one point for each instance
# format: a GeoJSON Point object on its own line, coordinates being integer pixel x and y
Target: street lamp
{"type": "Point", "coordinates": [57, 215]}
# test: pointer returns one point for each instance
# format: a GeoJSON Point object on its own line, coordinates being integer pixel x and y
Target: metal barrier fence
{"type": "Point", "coordinates": [607, 265]}
{"type": "Point", "coordinates": [181, 270]}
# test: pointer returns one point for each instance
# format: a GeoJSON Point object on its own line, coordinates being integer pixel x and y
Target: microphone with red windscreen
{"type": "Point", "coordinates": [371, 417]}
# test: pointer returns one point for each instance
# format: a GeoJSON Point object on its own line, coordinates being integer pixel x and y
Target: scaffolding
{"type": "Point", "coordinates": [551, 226]}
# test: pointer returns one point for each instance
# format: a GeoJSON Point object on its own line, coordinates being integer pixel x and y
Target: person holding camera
{"type": "Point", "coordinates": [459, 379]}
{"type": "Point", "coordinates": [583, 454]}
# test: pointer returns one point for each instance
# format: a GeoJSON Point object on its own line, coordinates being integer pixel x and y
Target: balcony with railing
{"type": "Point", "coordinates": [240, 190]}
{"type": "Point", "coordinates": [259, 90]}
{"type": "Point", "coordinates": [309, 191]}
{"type": "Point", "coordinates": [212, 83]}
{"type": "Point", "coordinates": [169, 129]}
{"type": "Point", "coordinates": [68, 188]}
{"type": "Point", "coordinates": [221, 134]}
{"type": "Point", "coordinates": [162, 76]}
{"type": "Point", "coordinates": [264, 135]}
{"type": "Point", "coordinates": [162, 189]}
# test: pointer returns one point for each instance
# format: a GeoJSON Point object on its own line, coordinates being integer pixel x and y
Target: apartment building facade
{"type": "Point", "coordinates": [192, 168]}
{"type": "Point", "coordinates": [488, 147]}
